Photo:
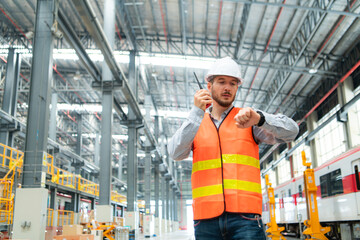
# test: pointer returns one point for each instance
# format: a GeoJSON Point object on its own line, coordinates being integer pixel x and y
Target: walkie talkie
{"type": "Point", "coordinates": [197, 80]}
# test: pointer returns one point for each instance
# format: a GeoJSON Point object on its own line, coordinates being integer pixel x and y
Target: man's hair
{"type": "Point", "coordinates": [212, 78]}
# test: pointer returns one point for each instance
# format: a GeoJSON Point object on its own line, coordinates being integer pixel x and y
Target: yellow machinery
{"type": "Point", "coordinates": [273, 229]}
{"type": "Point", "coordinates": [314, 230]}
{"type": "Point", "coordinates": [107, 231]}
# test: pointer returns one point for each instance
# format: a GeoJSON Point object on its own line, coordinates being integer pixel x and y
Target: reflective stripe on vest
{"type": "Point", "coordinates": [226, 169]}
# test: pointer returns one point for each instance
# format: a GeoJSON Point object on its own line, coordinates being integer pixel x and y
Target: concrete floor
{"type": "Point", "coordinates": [185, 235]}
{"type": "Point", "coordinates": [178, 235]}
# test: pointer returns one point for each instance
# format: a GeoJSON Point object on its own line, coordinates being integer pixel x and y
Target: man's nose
{"type": "Point", "coordinates": [227, 87]}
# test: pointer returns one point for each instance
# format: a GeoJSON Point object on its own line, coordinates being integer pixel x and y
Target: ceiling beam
{"type": "Point", "coordinates": [298, 45]}
{"type": "Point", "coordinates": [76, 44]}
{"type": "Point", "coordinates": [319, 8]}
{"type": "Point", "coordinates": [242, 30]}
{"type": "Point", "coordinates": [123, 18]}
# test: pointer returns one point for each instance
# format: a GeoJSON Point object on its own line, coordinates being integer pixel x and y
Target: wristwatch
{"type": "Point", "coordinates": [262, 119]}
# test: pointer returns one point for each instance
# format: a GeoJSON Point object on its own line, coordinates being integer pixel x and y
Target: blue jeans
{"type": "Point", "coordinates": [230, 226]}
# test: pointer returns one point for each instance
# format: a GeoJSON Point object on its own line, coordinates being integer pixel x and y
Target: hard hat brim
{"type": "Point", "coordinates": [208, 76]}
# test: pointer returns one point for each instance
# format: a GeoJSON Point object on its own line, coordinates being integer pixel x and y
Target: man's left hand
{"type": "Point", "coordinates": [247, 117]}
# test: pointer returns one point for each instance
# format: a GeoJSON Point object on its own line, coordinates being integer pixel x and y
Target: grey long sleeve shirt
{"type": "Point", "coordinates": [276, 129]}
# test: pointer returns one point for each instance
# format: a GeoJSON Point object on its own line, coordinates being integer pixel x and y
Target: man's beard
{"type": "Point", "coordinates": [222, 103]}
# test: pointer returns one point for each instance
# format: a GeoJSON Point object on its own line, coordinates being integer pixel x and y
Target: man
{"type": "Point", "coordinates": [226, 186]}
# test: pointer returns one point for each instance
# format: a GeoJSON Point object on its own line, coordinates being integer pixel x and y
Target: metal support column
{"type": "Point", "coordinates": [345, 94]}
{"type": "Point", "coordinates": [167, 205]}
{"type": "Point", "coordinates": [53, 114]}
{"type": "Point", "coordinates": [78, 144]}
{"type": "Point", "coordinates": [148, 229]}
{"type": "Point", "coordinates": [79, 134]}
{"type": "Point", "coordinates": [276, 156]}
{"type": "Point", "coordinates": [311, 125]}
{"type": "Point", "coordinates": [75, 204]}
{"type": "Point", "coordinates": [33, 192]}
{"type": "Point", "coordinates": [119, 173]}
{"type": "Point", "coordinates": [132, 166]}
{"type": "Point", "coordinates": [53, 204]}
{"type": "Point", "coordinates": [176, 207]}
{"type": "Point", "coordinates": [163, 205]}
{"type": "Point", "coordinates": [106, 121]}
{"type": "Point", "coordinates": [53, 193]}
{"type": "Point", "coordinates": [172, 207]}
{"type": "Point", "coordinates": [157, 181]}
{"type": "Point", "coordinates": [147, 183]}
{"type": "Point", "coordinates": [97, 150]}
{"type": "Point", "coordinates": [39, 99]}
{"type": "Point", "coordinates": [10, 96]}
{"type": "Point", "coordinates": [147, 170]}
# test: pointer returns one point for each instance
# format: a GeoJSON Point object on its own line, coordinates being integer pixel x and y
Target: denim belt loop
{"type": "Point", "coordinates": [257, 217]}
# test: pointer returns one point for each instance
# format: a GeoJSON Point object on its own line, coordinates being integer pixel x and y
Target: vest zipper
{"type": "Point", "coordinates": [221, 159]}
{"type": "Point", "coordinates": [222, 169]}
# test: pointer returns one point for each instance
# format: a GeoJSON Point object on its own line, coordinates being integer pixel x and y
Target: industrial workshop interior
{"type": "Point", "coordinates": [93, 91]}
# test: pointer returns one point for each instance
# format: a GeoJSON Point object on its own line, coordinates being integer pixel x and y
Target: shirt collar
{"type": "Point", "coordinates": [209, 110]}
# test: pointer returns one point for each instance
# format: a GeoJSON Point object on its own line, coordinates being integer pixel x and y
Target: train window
{"type": "Point", "coordinates": [331, 184]}
{"type": "Point", "coordinates": [324, 186]}
{"type": "Point", "coordinates": [356, 169]}
{"type": "Point", "coordinates": [300, 191]}
{"type": "Point", "coordinates": [289, 192]}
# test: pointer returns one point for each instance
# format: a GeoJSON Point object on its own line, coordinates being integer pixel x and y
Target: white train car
{"type": "Point", "coordinates": [338, 197]}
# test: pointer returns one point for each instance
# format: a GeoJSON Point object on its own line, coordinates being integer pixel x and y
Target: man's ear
{"type": "Point", "coordinates": [209, 86]}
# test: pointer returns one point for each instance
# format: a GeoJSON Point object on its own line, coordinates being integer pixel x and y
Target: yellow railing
{"type": "Point", "coordinates": [13, 159]}
{"type": "Point", "coordinates": [65, 217]}
{"type": "Point", "coordinates": [117, 197]}
{"type": "Point", "coordinates": [50, 217]}
{"type": "Point", "coordinates": [6, 211]}
{"type": "Point", "coordinates": [9, 155]}
{"type": "Point", "coordinates": [87, 186]}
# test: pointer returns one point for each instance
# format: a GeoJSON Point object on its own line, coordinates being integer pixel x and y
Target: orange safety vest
{"type": "Point", "coordinates": [226, 169]}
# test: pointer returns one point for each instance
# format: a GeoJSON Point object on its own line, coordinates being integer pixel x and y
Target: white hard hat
{"type": "Point", "coordinates": [225, 67]}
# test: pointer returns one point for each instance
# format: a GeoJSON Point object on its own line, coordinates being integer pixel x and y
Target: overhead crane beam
{"type": "Point", "coordinates": [299, 43]}
{"type": "Point", "coordinates": [76, 44]}
{"type": "Point", "coordinates": [242, 30]}
{"type": "Point", "coordinates": [183, 25]}
{"type": "Point", "coordinates": [93, 26]}
{"type": "Point", "coordinates": [320, 8]}
{"type": "Point", "coordinates": [350, 64]}
{"type": "Point", "coordinates": [123, 18]}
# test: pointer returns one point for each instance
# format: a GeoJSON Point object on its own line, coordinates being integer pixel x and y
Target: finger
{"type": "Point", "coordinates": [239, 125]}
{"type": "Point", "coordinates": [243, 118]}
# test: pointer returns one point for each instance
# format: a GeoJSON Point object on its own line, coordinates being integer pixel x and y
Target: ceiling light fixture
{"type": "Point", "coordinates": [313, 70]}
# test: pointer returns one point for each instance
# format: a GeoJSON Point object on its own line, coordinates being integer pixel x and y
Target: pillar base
{"type": "Point", "coordinates": [132, 220]}
{"type": "Point", "coordinates": [148, 225]}
{"type": "Point", "coordinates": [168, 225]}
{"type": "Point", "coordinates": [30, 214]}
{"type": "Point", "coordinates": [175, 226]}
{"type": "Point", "coordinates": [104, 213]}
{"type": "Point", "coordinates": [163, 226]}
{"type": "Point", "coordinates": [157, 226]}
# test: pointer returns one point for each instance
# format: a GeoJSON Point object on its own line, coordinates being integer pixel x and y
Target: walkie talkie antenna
{"type": "Point", "coordinates": [197, 80]}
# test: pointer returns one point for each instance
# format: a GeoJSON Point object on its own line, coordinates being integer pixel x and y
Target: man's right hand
{"type": "Point", "coordinates": [202, 98]}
